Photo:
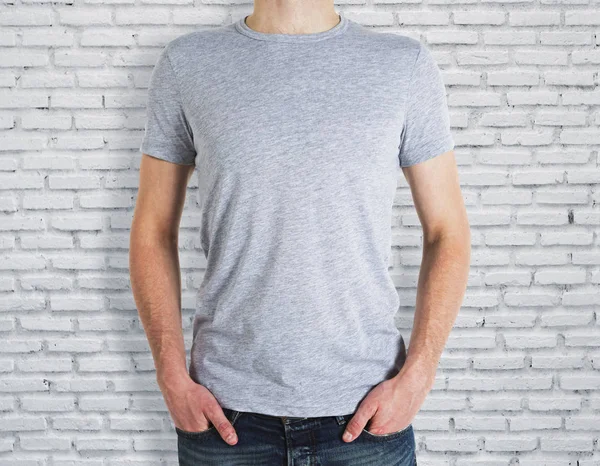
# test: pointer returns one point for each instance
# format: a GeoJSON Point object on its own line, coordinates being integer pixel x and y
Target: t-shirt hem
{"type": "Point", "coordinates": [164, 154]}
{"type": "Point", "coordinates": [289, 410]}
{"type": "Point", "coordinates": [441, 146]}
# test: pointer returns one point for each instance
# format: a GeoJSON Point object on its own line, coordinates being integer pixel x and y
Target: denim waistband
{"type": "Point", "coordinates": [340, 419]}
{"type": "Point", "coordinates": [272, 417]}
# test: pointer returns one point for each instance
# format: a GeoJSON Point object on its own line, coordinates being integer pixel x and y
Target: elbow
{"type": "Point", "coordinates": [453, 236]}
{"type": "Point", "coordinates": [146, 236]}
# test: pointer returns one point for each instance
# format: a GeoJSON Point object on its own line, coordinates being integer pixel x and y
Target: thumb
{"type": "Point", "coordinates": [356, 424]}
{"type": "Point", "coordinates": [217, 417]}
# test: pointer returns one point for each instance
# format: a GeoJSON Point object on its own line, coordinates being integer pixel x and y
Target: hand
{"type": "Point", "coordinates": [193, 408]}
{"type": "Point", "coordinates": [390, 406]}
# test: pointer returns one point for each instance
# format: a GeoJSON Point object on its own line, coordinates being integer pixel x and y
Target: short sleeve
{"type": "Point", "coordinates": [167, 133]}
{"type": "Point", "coordinates": [426, 130]}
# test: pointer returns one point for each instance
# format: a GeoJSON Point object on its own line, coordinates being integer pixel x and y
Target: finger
{"type": "Point", "coordinates": [357, 423]}
{"type": "Point", "coordinates": [222, 424]}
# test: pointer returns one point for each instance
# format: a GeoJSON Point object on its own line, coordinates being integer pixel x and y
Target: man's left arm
{"type": "Point", "coordinates": [445, 263]}
{"type": "Point", "coordinates": [434, 183]}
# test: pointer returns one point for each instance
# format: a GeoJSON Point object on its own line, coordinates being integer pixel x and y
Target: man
{"type": "Point", "coordinates": [298, 122]}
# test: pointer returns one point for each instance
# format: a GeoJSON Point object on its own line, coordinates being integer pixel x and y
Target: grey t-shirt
{"type": "Point", "coordinates": [297, 141]}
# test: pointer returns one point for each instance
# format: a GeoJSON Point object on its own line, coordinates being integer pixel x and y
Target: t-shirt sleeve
{"type": "Point", "coordinates": [167, 133]}
{"type": "Point", "coordinates": [426, 130]}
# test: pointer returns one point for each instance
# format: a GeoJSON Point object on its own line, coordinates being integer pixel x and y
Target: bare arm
{"type": "Point", "coordinates": [445, 263]}
{"type": "Point", "coordinates": [392, 404]}
{"type": "Point", "coordinates": [154, 262]}
{"type": "Point", "coordinates": [156, 284]}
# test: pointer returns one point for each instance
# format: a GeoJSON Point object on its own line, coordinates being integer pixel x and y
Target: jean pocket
{"type": "Point", "coordinates": [231, 414]}
{"type": "Point", "coordinates": [390, 435]}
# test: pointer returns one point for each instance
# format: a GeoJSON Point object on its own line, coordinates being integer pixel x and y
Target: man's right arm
{"type": "Point", "coordinates": [154, 262]}
{"type": "Point", "coordinates": [156, 284]}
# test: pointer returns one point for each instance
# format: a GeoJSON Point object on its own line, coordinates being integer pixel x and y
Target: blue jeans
{"type": "Point", "coordinates": [265, 440]}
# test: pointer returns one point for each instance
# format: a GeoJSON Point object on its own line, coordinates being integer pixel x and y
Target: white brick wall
{"type": "Point", "coordinates": [520, 380]}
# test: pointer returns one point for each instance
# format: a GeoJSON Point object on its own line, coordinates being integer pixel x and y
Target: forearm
{"type": "Point", "coordinates": [442, 283]}
{"type": "Point", "coordinates": [156, 284]}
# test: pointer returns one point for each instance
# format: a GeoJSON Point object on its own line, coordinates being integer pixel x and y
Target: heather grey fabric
{"type": "Point", "coordinates": [298, 142]}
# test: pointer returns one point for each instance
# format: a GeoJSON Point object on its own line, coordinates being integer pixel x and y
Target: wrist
{"type": "Point", "coordinates": [422, 372]}
{"type": "Point", "coordinates": [168, 379]}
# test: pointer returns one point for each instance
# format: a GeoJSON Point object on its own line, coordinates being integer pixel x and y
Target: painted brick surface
{"type": "Point", "coordinates": [519, 382]}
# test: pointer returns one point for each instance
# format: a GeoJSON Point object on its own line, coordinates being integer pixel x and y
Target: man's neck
{"type": "Point", "coordinates": [296, 17]}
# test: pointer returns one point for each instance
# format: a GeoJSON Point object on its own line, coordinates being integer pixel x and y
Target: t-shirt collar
{"type": "Point", "coordinates": [341, 26]}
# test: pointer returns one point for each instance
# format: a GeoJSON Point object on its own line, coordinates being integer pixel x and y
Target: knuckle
{"type": "Point", "coordinates": [222, 422]}
{"type": "Point", "coordinates": [224, 426]}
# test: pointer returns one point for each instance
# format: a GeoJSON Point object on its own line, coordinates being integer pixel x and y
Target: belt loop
{"type": "Point", "coordinates": [229, 413]}
{"type": "Point", "coordinates": [340, 420]}
{"type": "Point", "coordinates": [234, 415]}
